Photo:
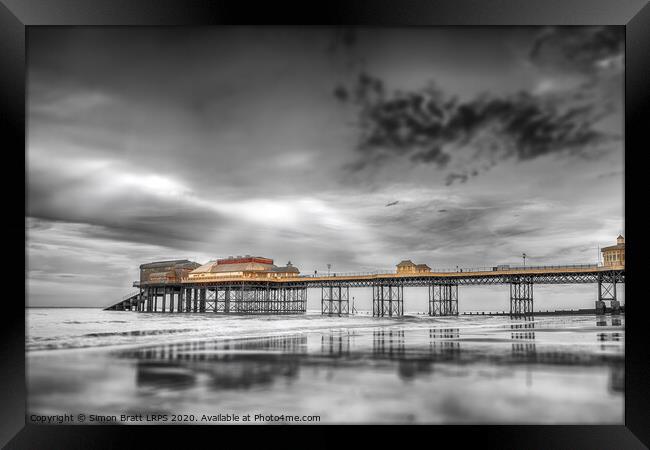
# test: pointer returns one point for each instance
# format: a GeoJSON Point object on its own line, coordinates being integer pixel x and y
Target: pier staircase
{"type": "Point", "coordinates": [129, 302]}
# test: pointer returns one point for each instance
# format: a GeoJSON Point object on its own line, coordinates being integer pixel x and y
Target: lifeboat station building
{"type": "Point", "coordinates": [166, 271]}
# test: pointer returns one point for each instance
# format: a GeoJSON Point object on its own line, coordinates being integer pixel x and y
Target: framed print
{"type": "Point", "coordinates": [341, 215]}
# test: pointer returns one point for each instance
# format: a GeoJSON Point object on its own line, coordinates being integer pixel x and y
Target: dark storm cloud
{"type": "Point", "coordinates": [430, 126]}
{"type": "Point", "coordinates": [182, 229]}
{"type": "Point", "coordinates": [421, 125]}
{"type": "Point", "coordinates": [577, 48]}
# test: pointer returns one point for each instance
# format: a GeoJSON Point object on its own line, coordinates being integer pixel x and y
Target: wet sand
{"type": "Point", "coordinates": [486, 370]}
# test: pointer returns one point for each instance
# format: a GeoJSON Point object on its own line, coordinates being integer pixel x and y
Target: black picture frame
{"type": "Point", "coordinates": [16, 15]}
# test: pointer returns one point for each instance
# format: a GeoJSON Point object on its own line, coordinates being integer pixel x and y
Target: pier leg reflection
{"type": "Point", "coordinates": [523, 335]}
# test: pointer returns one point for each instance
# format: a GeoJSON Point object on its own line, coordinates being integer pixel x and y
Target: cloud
{"type": "Point", "coordinates": [429, 127]}
{"type": "Point", "coordinates": [583, 49]}
{"type": "Point", "coordinates": [468, 136]}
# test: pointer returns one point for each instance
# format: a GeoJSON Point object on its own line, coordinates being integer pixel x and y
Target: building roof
{"type": "Point", "coordinates": [248, 264]}
{"type": "Point", "coordinates": [613, 247]}
{"type": "Point", "coordinates": [286, 269]}
{"type": "Point", "coordinates": [204, 268]}
{"type": "Point", "coordinates": [170, 263]}
{"type": "Point", "coordinates": [241, 267]}
{"type": "Point", "coordinates": [215, 267]}
{"type": "Point", "coordinates": [245, 259]}
{"type": "Point", "coordinates": [422, 266]}
{"type": "Point", "coordinates": [406, 262]}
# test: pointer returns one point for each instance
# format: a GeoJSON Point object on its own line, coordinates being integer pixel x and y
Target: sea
{"type": "Point", "coordinates": [93, 367]}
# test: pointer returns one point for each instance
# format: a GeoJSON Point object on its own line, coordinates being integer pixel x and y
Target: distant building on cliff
{"type": "Point", "coordinates": [614, 255]}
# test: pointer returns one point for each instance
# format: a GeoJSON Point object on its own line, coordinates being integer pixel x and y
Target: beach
{"type": "Point", "coordinates": [148, 368]}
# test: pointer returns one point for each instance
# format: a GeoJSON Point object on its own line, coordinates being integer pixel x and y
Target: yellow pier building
{"type": "Point", "coordinates": [614, 255]}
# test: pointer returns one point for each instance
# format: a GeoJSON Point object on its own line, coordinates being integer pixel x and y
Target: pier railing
{"type": "Point", "coordinates": [501, 267]}
{"type": "Point", "coordinates": [387, 272]}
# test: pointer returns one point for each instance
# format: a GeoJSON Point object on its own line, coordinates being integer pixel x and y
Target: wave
{"type": "Point", "coordinates": [77, 322]}
{"type": "Point", "coordinates": [140, 332]}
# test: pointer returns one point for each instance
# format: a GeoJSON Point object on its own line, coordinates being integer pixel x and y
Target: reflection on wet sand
{"type": "Point", "coordinates": [617, 379]}
{"type": "Point", "coordinates": [237, 364]}
{"type": "Point", "coordinates": [524, 337]}
{"type": "Point", "coordinates": [492, 370]}
{"type": "Point", "coordinates": [335, 345]}
{"type": "Point", "coordinates": [258, 362]}
{"type": "Point", "coordinates": [601, 321]}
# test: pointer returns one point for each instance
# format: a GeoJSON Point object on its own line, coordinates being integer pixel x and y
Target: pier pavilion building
{"type": "Point", "coordinates": [614, 255]}
{"type": "Point", "coordinates": [409, 267]}
{"type": "Point", "coordinates": [242, 267]}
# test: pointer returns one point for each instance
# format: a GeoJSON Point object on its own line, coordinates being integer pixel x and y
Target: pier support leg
{"type": "Point", "coordinates": [220, 300]}
{"type": "Point", "coordinates": [266, 300]}
{"type": "Point", "coordinates": [297, 300]}
{"type": "Point", "coordinates": [236, 295]}
{"type": "Point", "coordinates": [335, 300]}
{"type": "Point", "coordinates": [443, 299]}
{"type": "Point", "coordinates": [202, 299]}
{"type": "Point", "coordinates": [239, 298]}
{"type": "Point", "coordinates": [607, 293]}
{"type": "Point", "coordinates": [250, 295]}
{"type": "Point", "coordinates": [387, 300]}
{"type": "Point", "coordinates": [210, 299]}
{"type": "Point", "coordinates": [521, 297]}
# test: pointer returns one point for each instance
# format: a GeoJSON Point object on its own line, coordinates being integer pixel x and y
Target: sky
{"type": "Point", "coordinates": [357, 148]}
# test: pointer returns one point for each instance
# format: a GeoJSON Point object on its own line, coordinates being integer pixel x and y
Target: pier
{"type": "Point", "coordinates": [288, 295]}
{"type": "Point", "coordinates": [255, 285]}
